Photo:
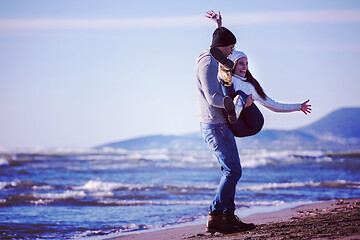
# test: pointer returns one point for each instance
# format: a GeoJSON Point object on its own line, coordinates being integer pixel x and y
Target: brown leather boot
{"type": "Point", "coordinates": [216, 223]}
{"type": "Point", "coordinates": [234, 220]}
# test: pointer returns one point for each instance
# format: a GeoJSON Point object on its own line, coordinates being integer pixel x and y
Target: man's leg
{"type": "Point", "coordinates": [221, 140]}
{"type": "Point", "coordinates": [228, 157]}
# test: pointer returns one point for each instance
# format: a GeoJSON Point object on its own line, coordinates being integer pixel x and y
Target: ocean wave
{"type": "Point", "coordinates": [25, 185]}
{"type": "Point", "coordinates": [80, 198]}
{"type": "Point", "coordinates": [97, 189]}
{"type": "Point", "coordinates": [100, 189]}
{"type": "Point", "coordinates": [3, 185]}
{"type": "Point", "coordinates": [4, 162]}
{"type": "Point", "coordinates": [62, 151]}
{"type": "Point", "coordinates": [329, 184]}
{"type": "Point", "coordinates": [98, 197]}
{"type": "Point", "coordinates": [165, 158]}
{"type": "Point", "coordinates": [185, 202]}
{"type": "Point", "coordinates": [252, 159]}
{"type": "Point", "coordinates": [151, 202]}
{"type": "Point", "coordinates": [99, 186]}
{"type": "Point", "coordinates": [42, 198]}
{"type": "Point", "coordinates": [96, 185]}
{"type": "Point", "coordinates": [65, 195]}
{"type": "Point", "coordinates": [200, 218]}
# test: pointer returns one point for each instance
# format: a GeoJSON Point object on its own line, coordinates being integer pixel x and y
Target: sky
{"type": "Point", "coordinates": [84, 73]}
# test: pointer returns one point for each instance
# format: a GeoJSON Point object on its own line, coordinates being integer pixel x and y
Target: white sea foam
{"type": "Point", "coordinates": [41, 201]}
{"type": "Point", "coordinates": [65, 195]}
{"type": "Point", "coordinates": [106, 187]}
{"type": "Point", "coordinates": [95, 185]}
{"type": "Point", "coordinates": [241, 204]}
{"type": "Point", "coordinates": [16, 184]}
{"type": "Point", "coordinates": [4, 162]}
{"type": "Point", "coordinates": [3, 185]}
{"type": "Point", "coordinates": [102, 194]}
{"type": "Point", "coordinates": [44, 187]}
{"type": "Point", "coordinates": [113, 150]}
{"type": "Point", "coordinates": [268, 186]}
{"type": "Point", "coordinates": [100, 188]}
{"type": "Point", "coordinates": [330, 184]}
{"type": "Point", "coordinates": [152, 202]}
{"type": "Point", "coordinates": [251, 159]}
{"type": "Point", "coordinates": [102, 157]}
{"type": "Point", "coordinates": [261, 203]}
{"type": "Point", "coordinates": [206, 159]}
{"type": "Point", "coordinates": [172, 158]}
{"type": "Point", "coordinates": [28, 184]}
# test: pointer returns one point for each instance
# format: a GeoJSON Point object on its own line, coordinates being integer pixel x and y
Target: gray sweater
{"type": "Point", "coordinates": [210, 96]}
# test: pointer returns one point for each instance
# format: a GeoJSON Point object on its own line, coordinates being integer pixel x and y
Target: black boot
{"type": "Point", "coordinates": [230, 109]}
{"type": "Point", "coordinates": [234, 220]}
{"type": "Point", "coordinates": [216, 223]}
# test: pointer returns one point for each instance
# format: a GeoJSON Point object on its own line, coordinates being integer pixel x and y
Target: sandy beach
{"type": "Point", "coordinates": [325, 220]}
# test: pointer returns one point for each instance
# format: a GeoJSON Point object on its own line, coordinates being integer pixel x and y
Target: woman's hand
{"type": "Point", "coordinates": [215, 17]}
{"type": "Point", "coordinates": [305, 108]}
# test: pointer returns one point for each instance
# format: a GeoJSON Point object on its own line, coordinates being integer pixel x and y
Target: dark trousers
{"type": "Point", "coordinates": [250, 121]}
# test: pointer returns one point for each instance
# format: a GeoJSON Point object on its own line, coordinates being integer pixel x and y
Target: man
{"type": "Point", "coordinates": [218, 135]}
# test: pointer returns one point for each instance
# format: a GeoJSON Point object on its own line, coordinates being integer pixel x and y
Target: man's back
{"type": "Point", "coordinates": [210, 96]}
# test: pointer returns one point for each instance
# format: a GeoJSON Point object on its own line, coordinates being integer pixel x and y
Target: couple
{"type": "Point", "coordinates": [226, 91]}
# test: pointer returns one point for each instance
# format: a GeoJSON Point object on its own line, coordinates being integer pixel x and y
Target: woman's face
{"type": "Point", "coordinates": [241, 66]}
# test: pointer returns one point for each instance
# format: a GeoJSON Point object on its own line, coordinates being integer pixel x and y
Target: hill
{"type": "Point", "coordinates": [339, 129]}
{"type": "Point", "coordinates": [190, 141]}
{"type": "Point", "coordinates": [343, 124]}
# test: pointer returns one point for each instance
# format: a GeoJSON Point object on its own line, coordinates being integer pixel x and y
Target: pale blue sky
{"type": "Point", "coordinates": [83, 73]}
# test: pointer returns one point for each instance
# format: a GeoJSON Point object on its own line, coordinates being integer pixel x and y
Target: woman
{"type": "Point", "coordinates": [244, 89]}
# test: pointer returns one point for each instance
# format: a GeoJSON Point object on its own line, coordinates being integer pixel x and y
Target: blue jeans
{"type": "Point", "coordinates": [221, 140]}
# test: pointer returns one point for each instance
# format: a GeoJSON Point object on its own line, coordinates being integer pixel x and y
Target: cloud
{"type": "Point", "coordinates": [321, 16]}
{"type": "Point", "coordinates": [33, 24]}
{"type": "Point", "coordinates": [323, 47]}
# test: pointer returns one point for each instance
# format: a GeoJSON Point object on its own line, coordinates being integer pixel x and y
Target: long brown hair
{"type": "Point", "coordinates": [254, 82]}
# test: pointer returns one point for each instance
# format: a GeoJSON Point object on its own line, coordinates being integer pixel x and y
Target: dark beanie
{"type": "Point", "coordinates": [222, 37]}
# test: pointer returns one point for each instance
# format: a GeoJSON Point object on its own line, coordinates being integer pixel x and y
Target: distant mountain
{"type": "Point", "coordinates": [343, 124]}
{"type": "Point", "coordinates": [340, 129]}
{"type": "Point", "coordinates": [189, 141]}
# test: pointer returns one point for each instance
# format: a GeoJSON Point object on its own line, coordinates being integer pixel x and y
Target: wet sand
{"type": "Point", "coordinates": [325, 220]}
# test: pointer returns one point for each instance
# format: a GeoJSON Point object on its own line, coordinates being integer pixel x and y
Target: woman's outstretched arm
{"type": "Point", "coordinates": [215, 17]}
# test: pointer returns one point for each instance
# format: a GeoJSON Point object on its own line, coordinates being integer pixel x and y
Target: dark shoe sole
{"type": "Point", "coordinates": [251, 228]}
{"type": "Point", "coordinates": [247, 229]}
{"type": "Point", "coordinates": [213, 230]}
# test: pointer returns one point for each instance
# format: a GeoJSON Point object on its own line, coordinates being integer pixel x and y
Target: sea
{"type": "Point", "coordinates": [94, 193]}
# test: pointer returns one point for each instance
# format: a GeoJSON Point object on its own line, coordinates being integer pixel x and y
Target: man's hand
{"type": "Point", "coordinates": [215, 17]}
{"type": "Point", "coordinates": [249, 100]}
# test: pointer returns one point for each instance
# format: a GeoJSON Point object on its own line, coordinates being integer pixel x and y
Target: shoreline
{"type": "Point", "coordinates": [264, 221]}
{"type": "Point", "coordinates": [241, 212]}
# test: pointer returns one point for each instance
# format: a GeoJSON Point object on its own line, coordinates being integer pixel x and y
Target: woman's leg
{"type": "Point", "coordinates": [250, 121]}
